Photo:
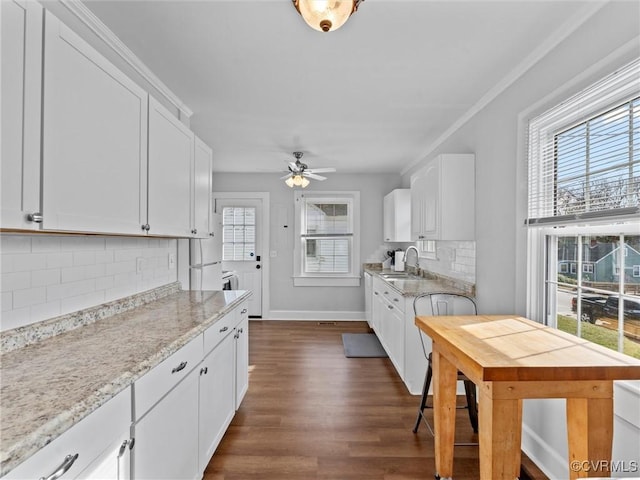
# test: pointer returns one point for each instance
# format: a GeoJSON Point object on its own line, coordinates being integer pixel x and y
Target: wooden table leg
{"type": "Point", "coordinates": [445, 376]}
{"type": "Point", "coordinates": [500, 428]}
{"type": "Point", "coordinates": [590, 432]}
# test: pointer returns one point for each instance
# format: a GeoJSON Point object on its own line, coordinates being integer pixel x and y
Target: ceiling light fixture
{"type": "Point", "coordinates": [297, 181]}
{"type": "Point", "coordinates": [326, 15]}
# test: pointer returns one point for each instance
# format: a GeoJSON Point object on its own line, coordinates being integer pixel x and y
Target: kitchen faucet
{"type": "Point", "coordinates": [406, 254]}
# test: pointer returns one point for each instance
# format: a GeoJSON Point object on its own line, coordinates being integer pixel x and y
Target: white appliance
{"type": "Point", "coordinates": [205, 259]}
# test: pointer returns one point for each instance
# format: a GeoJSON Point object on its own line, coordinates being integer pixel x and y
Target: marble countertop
{"type": "Point", "coordinates": [50, 385]}
{"type": "Point", "coordinates": [425, 283]}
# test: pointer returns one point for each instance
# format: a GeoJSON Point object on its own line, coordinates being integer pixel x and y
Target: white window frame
{"type": "Point", "coordinates": [348, 279]}
{"type": "Point", "coordinates": [542, 268]}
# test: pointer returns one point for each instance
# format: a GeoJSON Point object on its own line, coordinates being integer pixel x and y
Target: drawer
{"type": "Point", "coordinates": [87, 439]}
{"type": "Point", "coordinates": [393, 297]}
{"type": "Point", "coordinates": [219, 330]}
{"type": "Point", "coordinates": [150, 388]}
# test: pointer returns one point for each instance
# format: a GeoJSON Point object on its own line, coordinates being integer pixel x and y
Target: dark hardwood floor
{"type": "Point", "coordinates": [311, 413]}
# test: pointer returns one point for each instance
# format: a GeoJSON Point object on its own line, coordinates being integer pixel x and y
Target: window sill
{"type": "Point", "coordinates": [308, 281]}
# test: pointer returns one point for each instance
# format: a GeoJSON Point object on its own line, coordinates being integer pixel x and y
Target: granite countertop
{"type": "Point", "coordinates": [422, 282]}
{"type": "Point", "coordinates": [50, 385]}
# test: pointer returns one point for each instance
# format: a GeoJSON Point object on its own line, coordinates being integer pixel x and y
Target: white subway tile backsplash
{"type": "Point", "coordinates": [15, 244]}
{"type": "Point", "coordinates": [41, 278]}
{"type": "Point", "coordinates": [6, 298]}
{"type": "Point", "coordinates": [84, 258]}
{"type": "Point", "coordinates": [29, 261]}
{"type": "Point", "coordinates": [44, 276]}
{"type": "Point", "coordinates": [45, 311]}
{"type": "Point", "coordinates": [29, 296]}
{"type": "Point", "coordinates": [58, 260]}
{"type": "Point", "coordinates": [15, 281]}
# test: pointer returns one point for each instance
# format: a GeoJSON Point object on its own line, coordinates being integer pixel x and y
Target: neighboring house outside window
{"type": "Point", "coordinates": [584, 210]}
{"type": "Point", "coordinates": [327, 239]}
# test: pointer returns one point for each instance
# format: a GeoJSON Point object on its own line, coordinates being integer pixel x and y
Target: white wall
{"type": "Point", "coordinates": [44, 276]}
{"type": "Point", "coordinates": [608, 39]}
{"type": "Point", "coordinates": [304, 301]}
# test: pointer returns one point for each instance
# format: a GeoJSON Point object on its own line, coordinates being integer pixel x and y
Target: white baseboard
{"type": "Point", "coordinates": [312, 315]}
{"type": "Point", "coordinates": [540, 452]}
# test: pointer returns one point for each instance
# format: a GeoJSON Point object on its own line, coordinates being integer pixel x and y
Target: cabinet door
{"type": "Point", "coordinates": [113, 464]}
{"type": "Point", "coordinates": [389, 221]}
{"type": "Point", "coordinates": [170, 171]}
{"type": "Point", "coordinates": [242, 358]}
{"type": "Point", "coordinates": [431, 201]}
{"type": "Point", "coordinates": [21, 93]}
{"type": "Point", "coordinates": [166, 440]}
{"type": "Point", "coordinates": [216, 404]}
{"type": "Point", "coordinates": [94, 139]}
{"type": "Point", "coordinates": [202, 161]}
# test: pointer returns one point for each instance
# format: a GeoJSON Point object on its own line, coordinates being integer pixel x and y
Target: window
{"type": "Point", "coordinates": [584, 199]}
{"type": "Point", "coordinates": [636, 271]}
{"type": "Point", "coordinates": [238, 233]}
{"type": "Point", "coordinates": [327, 249]}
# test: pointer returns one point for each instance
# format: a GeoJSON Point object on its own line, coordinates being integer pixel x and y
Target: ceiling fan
{"type": "Point", "coordinates": [298, 172]}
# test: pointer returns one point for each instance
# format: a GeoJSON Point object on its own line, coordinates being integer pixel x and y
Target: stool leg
{"type": "Point", "coordinates": [425, 393]}
{"type": "Point", "coordinates": [470, 391]}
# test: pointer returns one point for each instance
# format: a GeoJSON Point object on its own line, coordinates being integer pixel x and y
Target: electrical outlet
{"type": "Point", "coordinates": [172, 261]}
{"type": "Point", "coordinates": [139, 264]}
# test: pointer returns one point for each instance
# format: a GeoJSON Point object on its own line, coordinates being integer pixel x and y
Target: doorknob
{"type": "Point", "coordinates": [258, 267]}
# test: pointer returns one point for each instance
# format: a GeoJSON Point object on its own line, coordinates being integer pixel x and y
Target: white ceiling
{"type": "Point", "coordinates": [372, 96]}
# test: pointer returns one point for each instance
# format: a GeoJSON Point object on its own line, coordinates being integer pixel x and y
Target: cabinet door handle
{"type": "Point", "coordinates": [64, 467]}
{"type": "Point", "coordinates": [244, 310]}
{"type": "Point", "coordinates": [35, 217]}
{"type": "Point", "coordinates": [396, 300]}
{"type": "Point", "coordinates": [204, 371]}
{"type": "Point", "coordinates": [123, 448]}
{"type": "Point", "coordinates": [390, 307]}
{"type": "Point", "coordinates": [194, 231]}
{"type": "Point", "coordinates": [224, 329]}
{"type": "Point", "coordinates": [241, 330]}
{"type": "Point", "coordinates": [146, 227]}
{"type": "Point", "coordinates": [376, 293]}
{"type": "Point", "coordinates": [179, 367]}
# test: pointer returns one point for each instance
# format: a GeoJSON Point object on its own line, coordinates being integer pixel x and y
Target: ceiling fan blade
{"type": "Point", "coordinates": [322, 170]}
{"type": "Point", "coordinates": [313, 175]}
{"type": "Point", "coordinates": [293, 167]}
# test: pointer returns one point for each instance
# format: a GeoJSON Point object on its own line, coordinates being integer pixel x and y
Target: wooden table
{"type": "Point", "coordinates": [510, 358]}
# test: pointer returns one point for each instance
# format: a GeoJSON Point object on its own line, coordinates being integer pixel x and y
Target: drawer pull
{"type": "Point", "coordinates": [203, 371]}
{"type": "Point", "coordinates": [123, 448]}
{"type": "Point", "coordinates": [386, 293]}
{"type": "Point", "coordinates": [241, 330]}
{"type": "Point", "coordinates": [396, 300]}
{"type": "Point", "coordinates": [67, 463]}
{"type": "Point", "coordinates": [390, 307]}
{"type": "Point", "coordinates": [224, 329]}
{"type": "Point", "coordinates": [244, 310]}
{"type": "Point", "coordinates": [179, 367]}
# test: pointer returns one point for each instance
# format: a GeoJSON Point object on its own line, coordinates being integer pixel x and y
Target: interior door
{"type": "Point", "coordinates": [242, 245]}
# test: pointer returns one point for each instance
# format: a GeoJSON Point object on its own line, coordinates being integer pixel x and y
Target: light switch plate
{"type": "Point", "coordinates": [172, 260]}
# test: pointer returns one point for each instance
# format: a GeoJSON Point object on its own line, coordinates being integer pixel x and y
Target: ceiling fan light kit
{"type": "Point", "coordinates": [298, 173]}
{"type": "Point", "coordinates": [326, 15]}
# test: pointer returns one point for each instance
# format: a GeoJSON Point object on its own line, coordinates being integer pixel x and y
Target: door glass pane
{"type": "Point", "coordinates": [238, 233]}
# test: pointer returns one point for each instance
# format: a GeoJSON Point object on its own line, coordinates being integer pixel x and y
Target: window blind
{"type": "Point", "coordinates": [584, 155]}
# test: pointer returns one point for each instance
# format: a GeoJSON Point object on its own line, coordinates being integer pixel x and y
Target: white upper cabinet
{"type": "Point", "coordinates": [171, 151]}
{"type": "Point", "coordinates": [21, 31]}
{"type": "Point", "coordinates": [94, 139]}
{"type": "Point", "coordinates": [203, 164]}
{"type": "Point", "coordinates": [443, 199]}
{"type": "Point", "coordinates": [397, 216]}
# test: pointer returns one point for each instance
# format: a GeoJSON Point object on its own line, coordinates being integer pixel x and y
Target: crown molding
{"type": "Point", "coordinates": [103, 32]}
{"type": "Point", "coordinates": [564, 31]}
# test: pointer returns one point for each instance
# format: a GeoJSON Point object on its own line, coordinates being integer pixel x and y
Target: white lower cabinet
{"type": "Point", "coordinates": [216, 398]}
{"type": "Point", "coordinates": [91, 449]}
{"type": "Point", "coordinates": [393, 321]}
{"type": "Point", "coordinates": [242, 355]}
{"type": "Point", "coordinates": [176, 433]}
{"type": "Point", "coordinates": [166, 441]}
